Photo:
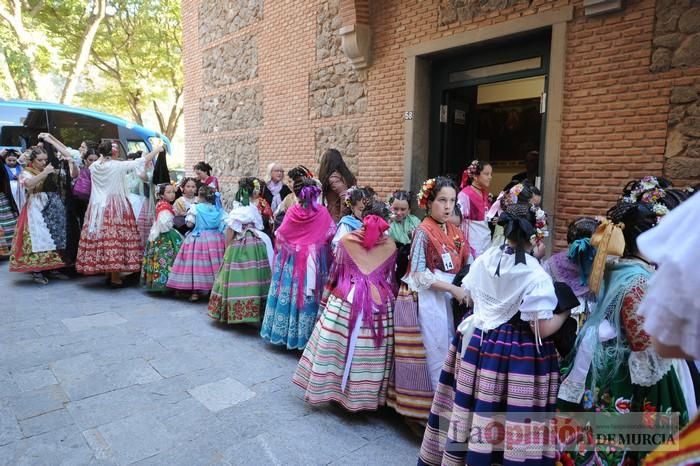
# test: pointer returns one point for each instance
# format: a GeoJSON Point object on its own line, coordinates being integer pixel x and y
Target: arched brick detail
{"type": "Point", "coordinates": [355, 33]}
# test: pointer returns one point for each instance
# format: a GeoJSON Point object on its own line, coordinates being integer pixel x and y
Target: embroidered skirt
{"type": "Point", "coordinates": [8, 223]}
{"type": "Point", "coordinates": [501, 373]}
{"type": "Point", "coordinates": [324, 363]}
{"type": "Point", "coordinates": [158, 258]}
{"type": "Point", "coordinates": [285, 323]}
{"type": "Point", "coordinates": [198, 261]}
{"type": "Point", "coordinates": [23, 258]}
{"type": "Point", "coordinates": [115, 247]}
{"type": "Point", "coordinates": [242, 284]}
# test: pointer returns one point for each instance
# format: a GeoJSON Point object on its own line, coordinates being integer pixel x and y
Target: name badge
{"type": "Point", "coordinates": [447, 261]}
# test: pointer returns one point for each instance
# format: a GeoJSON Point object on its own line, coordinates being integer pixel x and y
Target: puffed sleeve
{"type": "Point", "coordinates": [464, 206]}
{"type": "Point", "coordinates": [419, 277]}
{"type": "Point", "coordinates": [539, 300]}
{"type": "Point", "coordinates": [191, 216]}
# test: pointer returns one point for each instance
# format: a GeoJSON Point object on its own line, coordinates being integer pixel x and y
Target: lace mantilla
{"type": "Point", "coordinates": [647, 368]}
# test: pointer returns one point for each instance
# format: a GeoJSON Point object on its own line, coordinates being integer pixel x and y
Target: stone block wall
{"type": "Point", "coordinates": [337, 90]}
{"type": "Point", "coordinates": [233, 61]}
{"type": "Point", "coordinates": [683, 140]}
{"type": "Point", "coordinates": [220, 18]}
{"type": "Point", "coordinates": [233, 110]}
{"type": "Point", "coordinates": [676, 40]}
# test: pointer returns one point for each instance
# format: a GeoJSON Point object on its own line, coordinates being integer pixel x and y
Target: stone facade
{"type": "Point", "coordinates": [230, 159]}
{"type": "Point", "coordinates": [683, 140]}
{"type": "Point", "coordinates": [337, 90]}
{"type": "Point", "coordinates": [345, 138]}
{"type": "Point", "coordinates": [676, 35]}
{"type": "Point", "coordinates": [452, 11]}
{"type": "Point", "coordinates": [220, 18]}
{"type": "Point", "coordinates": [233, 110]}
{"type": "Point", "coordinates": [231, 62]}
{"type": "Point", "coordinates": [328, 23]}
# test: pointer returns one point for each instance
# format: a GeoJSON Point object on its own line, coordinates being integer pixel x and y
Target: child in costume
{"type": "Point", "coordinates": [349, 356]}
{"type": "Point", "coordinates": [356, 199]}
{"type": "Point", "coordinates": [300, 270]}
{"type": "Point", "coordinates": [243, 282]}
{"type": "Point", "coordinates": [202, 252]}
{"type": "Point", "coordinates": [163, 243]}
{"type": "Point", "coordinates": [401, 229]}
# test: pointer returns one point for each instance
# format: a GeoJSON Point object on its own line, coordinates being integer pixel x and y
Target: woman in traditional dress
{"type": "Point", "coordinates": [243, 282]}
{"type": "Point", "coordinates": [83, 186]}
{"type": "Point", "coordinates": [110, 242]}
{"type": "Point", "coordinates": [276, 189]}
{"type": "Point", "coordinates": [423, 321]}
{"type": "Point", "coordinates": [295, 174]}
{"type": "Point", "coordinates": [202, 172]}
{"type": "Point", "coordinates": [671, 311]}
{"type": "Point", "coordinates": [163, 243]}
{"type": "Point", "coordinates": [357, 199]}
{"type": "Point", "coordinates": [41, 238]}
{"type": "Point", "coordinates": [202, 252]}
{"type": "Point", "coordinates": [8, 210]}
{"type": "Point", "coordinates": [335, 179]}
{"type": "Point", "coordinates": [500, 363]}
{"type": "Point", "coordinates": [188, 197]}
{"type": "Point", "coordinates": [13, 169]}
{"type": "Point", "coordinates": [474, 204]}
{"type": "Point", "coordinates": [349, 356]}
{"type": "Point", "coordinates": [401, 229]}
{"type": "Point", "coordinates": [300, 269]}
{"type": "Point", "coordinates": [614, 367]}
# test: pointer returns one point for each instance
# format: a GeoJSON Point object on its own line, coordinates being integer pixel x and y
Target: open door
{"type": "Point", "coordinates": [458, 121]}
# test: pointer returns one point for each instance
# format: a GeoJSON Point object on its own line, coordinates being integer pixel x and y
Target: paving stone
{"type": "Point", "coordinates": [33, 379]}
{"type": "Point", "coordinates": [188, 419]}
{"type": "Point", "coordinates": [108, 407]}
{"type": "Point", "coordinates": [136, 437]}
{"type": "Point", "coordinates": [46, 423]}
{"type": "Point", "coordinates": [8, 386]}
{"type": "Point", "coordinates": [221, 394]}
{"type": "Point", "coordinates": [57, 448]}
{"type": "Point", "coordinates": [105, 319]}
{"type": "Point", "coordinates": [9, 429]}
{"type": "Point", "coordinates": [180, 362]}
{"type": "Point", "coordinates": [102, 451]}
{"type": "Point", "coordinates": [36, 402]}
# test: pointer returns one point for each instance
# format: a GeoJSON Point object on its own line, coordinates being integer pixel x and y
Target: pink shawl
{"type": "Point", "coordinates": [478, 203]}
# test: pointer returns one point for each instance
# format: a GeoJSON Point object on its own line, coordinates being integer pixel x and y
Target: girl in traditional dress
{"type": "Point", "coordinates": [202, 172]}
{"type": "Point", "coordinates": [8, 211]}
{"type": "Point", "coordinates": [500, 360]}
{"type": "Point", "coordinates": [41, 238]}
{"type": "Point", "coordinates": [295, 174]}
{"type": "Point", "coordinates": [276, 189]}
{"type": "Point", "coordinates": [614, 367]}
{"type": "Point", "coordinates": [13, 169]}
{"type": "Point", "coordinates": [474, 203]}
{"type": "Point", "coordinates": [335, 179]}
{"type": "Point", "coordinates": [423, 316]}
{"type": "Point", "coordinates": [671, 311]}
{"type": "Point", "coordinates": [263, 206]}
{"type": "Point", "coordinates": [357, 199]}
{"type": "Point", "coordinates": [300, 269]}
{"type": "Point", "coordinates": [202, 252]}
{"type": "Point", "coordinates": [110, 242]}
{"type": "Point", "coordinates": [243, 282]}
{"type": "Point", "coordinates": [573, 266]}
{"type": "Point", "coordinates": [401, 229]}
{"type": "Point", "coordinates": [188, 196]}
{"type": "Point", "coordinates": [83, 186]}
{"type": "Point", "coordinates": [349, 356]}
{"type": "Point", "coordinates": [163, 242]}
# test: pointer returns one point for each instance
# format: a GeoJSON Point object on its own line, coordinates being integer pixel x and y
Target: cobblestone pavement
{"type": "Point", "coordinates": [90, 375]}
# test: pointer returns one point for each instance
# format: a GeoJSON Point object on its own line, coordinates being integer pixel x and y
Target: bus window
{"type": "Point", "coordinates": [20, 126]}
{"type": "Point", "coordinates": [135, 146]}
{"type": "Point", "coordinates": [72, 128]}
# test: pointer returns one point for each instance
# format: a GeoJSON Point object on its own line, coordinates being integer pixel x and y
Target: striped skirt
{"type": "Point", "coordinates": [198, 261]}
{"type": "Point", "coordinates": [242, 283]}
{"type": "Point", "coordinates": [502, 374]}
{"type": "Point", "coordinates": [8, 223]}
{"type": "Point", "coordinates": [321, 368]}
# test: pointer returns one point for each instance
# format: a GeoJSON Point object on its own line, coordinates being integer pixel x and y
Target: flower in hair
{"type": "Point", "coordinates": [348, 195]}
{"type": "Point", "coordinates": [515, 192]}
{"type": "Point", "coordinates": [256, 186]}
{"type": "Point", "coordinates": [473, 168]}
{"type": "Point", "coordinates": [653, 196]}
{"type": "Point", "coordinates": [424, 193]}
{"type": "Point", "coordinates": [660, 210]}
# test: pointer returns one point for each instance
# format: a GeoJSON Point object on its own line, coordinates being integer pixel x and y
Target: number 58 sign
{"type": "Point", "coordinates": [408, 115]}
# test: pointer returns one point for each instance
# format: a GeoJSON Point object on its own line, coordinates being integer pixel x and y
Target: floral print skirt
{"type": "Point", "coordinates": [157, 260]}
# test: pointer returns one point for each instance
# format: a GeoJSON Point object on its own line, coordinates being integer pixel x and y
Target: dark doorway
{"type": "Point", "coordinates": [488, 103]}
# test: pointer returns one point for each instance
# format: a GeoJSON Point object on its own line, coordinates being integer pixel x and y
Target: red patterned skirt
{"type": "Point", "coordinates": [115, 247]}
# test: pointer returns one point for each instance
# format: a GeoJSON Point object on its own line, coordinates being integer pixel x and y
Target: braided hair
{"type": "Point", "coordinates": [582, 227]}
{"type": "Point", "coordinates": [207, 193]}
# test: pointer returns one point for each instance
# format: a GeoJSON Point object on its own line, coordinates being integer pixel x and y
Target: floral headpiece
{"type": "Point", "coordinates": [648, 191]}
{"type": "Point", "coordinates": [348, 194]}
{"type": "Point", "coordinates": [540, 224]}
{"type": "Point", "coordinates": [473, 168]}
{"type": "Point", "coordinates": [512, 196]}
{"type": "Point", "coordinates": [424, 193]}
{"type": "Point", "coordinates": [256, 186]}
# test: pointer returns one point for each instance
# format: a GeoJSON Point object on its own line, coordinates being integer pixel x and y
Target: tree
{"type": "Point", "coordinates": [32, 38]}
{"type": "Point", "coordinates": [139, 55]}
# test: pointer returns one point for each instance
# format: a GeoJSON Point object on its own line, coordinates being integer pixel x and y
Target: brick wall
{"type": "Point", "coordinates": [615, 108]}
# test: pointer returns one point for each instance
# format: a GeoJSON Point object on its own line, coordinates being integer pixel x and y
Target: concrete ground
{"type": "Point", "coordinates": [90, 375]}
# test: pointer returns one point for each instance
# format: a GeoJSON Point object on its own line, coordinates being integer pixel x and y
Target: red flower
{"type": "Point", "coordinates": [649, 416]}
